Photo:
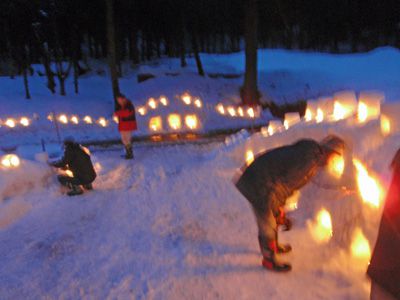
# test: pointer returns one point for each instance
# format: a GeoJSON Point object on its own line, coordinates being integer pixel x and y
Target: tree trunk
{"type": "Point", "coordinates": [76, 76]}
{"type": "Point", "coordinates": [196, 55]}
{"type": "Point", "coordinates": [61, 80]}
{"type": "Point", "coordinates": [112, 55]}
{"type": "Point", "coordinates": [26, 85]}
{"type": "Point", "coordinates": [249, 93]}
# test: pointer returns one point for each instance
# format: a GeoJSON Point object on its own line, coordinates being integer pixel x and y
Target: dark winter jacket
{"type": "Point", "coordinates": [126, 117]}
{"type": "Point", "coordinates": [276, 174]}
{"type": "Point", "coordinates": [79, 162]}
{"type": "Point", "coordinates": [384, 268]}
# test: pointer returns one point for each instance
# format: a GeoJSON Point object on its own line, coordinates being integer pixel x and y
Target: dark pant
{"type": "Point", "coordinates": [68, 181]}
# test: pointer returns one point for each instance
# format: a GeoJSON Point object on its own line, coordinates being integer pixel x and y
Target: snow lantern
{"type": "Point", "coordinates": [336, 165]}
{"type": "Point", "coordinates": [155, 124]}
{"type": "Point", "coordinates": [360, 247]}
{"type": "Point", "coordinates": [231, 111]}
{"type": "Point", "coordinates": [250, 112]}
{"type": "Point", "coordinates": [102, 122]}
{"type": "Point", "coordinates": [88, 120]}
{"type": "Point", "coordinates": [197, 102]}
{"type": "Point", "coordinates": [115, 119]}
{"type": "Point", "coordinates": [10, 123]}
{"type": "Point", "coordinates": [274, 126]}
{"type": "Point", "coordinates": [240, 111]}
{"type": "Point", "coordinates": [186, 98]}
{"type": "Point", "coordinates": [191, 121]}
{"type": "Point", "coordinates": [369, 106]}
{"type": "Point", "coordinates": [385, 125]}
{"type": "Point", "coordinates": [311, 110]}
{"type": "Point", "coordinates": [325, 109]}
{"type": "Point", "coordinates": [74, 120]}
{"type": "Point", "coordinates": [174, 121]}
{"type": "Point", "coordinates": [249, 157]}
{"type": "Point", "coordinates": [220, 108]}
{"type": "Point", "coordinates": [152, 103]}
{"type": "Point", "coordinates": [50, 117]}
{"type": "Point", "coordinates": [344, 105]}
{"type": "Point", "coordinates": [142, 110]}
{"type": "Point", "coordinates": [291, 118]}
{"type": "Point", "coordinates": [63, 119]}
{"type": "Point", "coordinates": [369, 188]}
{"type": "Point", "coordinates": [391, 111]}
{"type": "Point", "coordinates": [10, 161]}
{"type": "Point", "coordinates": [321, 227]}
{"type": "Point", "coordinates": [24, 121]}
{"type": "Point", "coordinates": [164, 100]}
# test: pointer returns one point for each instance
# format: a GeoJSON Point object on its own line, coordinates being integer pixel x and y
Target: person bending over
{"type": "Point", "coordinates": [272, 178]}
{"type": "Point", "coordinates": [77, 160]}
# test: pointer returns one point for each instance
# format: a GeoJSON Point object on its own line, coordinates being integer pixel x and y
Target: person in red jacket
{"type": "Point", "coordinates": [126, 123]}
{"type": "Point", "coordinates": [384, 269]}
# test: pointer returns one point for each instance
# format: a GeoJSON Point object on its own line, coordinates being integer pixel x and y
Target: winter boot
{"type": "Point", "coordinates": [75, 190]}
{"type": "Point", "coordinates": [282, 248]}
{"type": "Point", "coordinates": [129, 152]}
{"type": "Point", "coordinates": [88, 187]}
{"type": "Point", "coordinates": [269, 251]}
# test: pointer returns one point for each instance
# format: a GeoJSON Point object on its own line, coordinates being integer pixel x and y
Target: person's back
{"type": "Point", "coordinates": [79, 163]}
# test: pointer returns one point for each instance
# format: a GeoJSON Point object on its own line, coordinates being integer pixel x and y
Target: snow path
{"type": "Point", "coordinates": [169, 225]}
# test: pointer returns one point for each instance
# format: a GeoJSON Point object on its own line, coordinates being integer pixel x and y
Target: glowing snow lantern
{"type": "Point", "coordinates": [220, 108]}
{"type": "Point", "coordinates": [25, 121]}
{"type": "Point", "coordinates": [240, 111]}
{"type": "Point", "coordinates": [155, 124]}
{"type": "Point", "coordinates": [360, 247]}
{"type": "Point", "coordinates": [249, 157]}
{"type": "Point", "coordinates": [174, 121]}
{"type": "Point", "coordinates": [142, 110]}
{"type": "Point", "coordinates": [370, 191]}
{"type": "Point", "coordinates": [369, 106]}
{"type": "Point", "coordinates": [164, 100]}
{"type": "Point", "coordinates": [250, 112]}
{"type": "Point", "coordinates": [345, 105]}
{"type": "Point", "coordinates": [152, 103]}
{"type": "Point", "coordinates": [325, 109]}
{"type": "Point", "coordinates": [115, 119]}
{"type": "Point", "coordinates": [264, 131]}
{"type": "Point", "coordinates": [191, 121]}
{"type": "Point", "coordinates": [311, 111]}
{"type": "Point", "coordinates": [231, 111]}
{"type": "Point", "coordinates": [197, 102]}
{"type": "Point", "coordinates": [274, 126]}
{"type": "Point", "coordinates": [336, 165]}
{"type": "Point", "coordinates": [291, 119]}
{"type": "Point", "coordinates": [186, 98]}
{"type": "Point", "coordinates": [102, 122]}
{"type": "Point", "coordinates": [88, 120]}
{"type": "Point", "coordinates": [10, 123]}
{"type": "Point", "coordinates": [321, 230]}
{"type": "Point", "coordinates": [385, 125]}
{"type": "Point", "coordinates": [63, 119]}
{"type": "Point", "coordinates": [50, 117]}
{"type": "Point", "coordinates": [10, 161]}
{"type": "Point", "coordinates": [320, 116]}
{"type": "Point", "coordinates": [74, 120]}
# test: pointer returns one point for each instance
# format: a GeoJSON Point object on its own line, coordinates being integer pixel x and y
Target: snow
{"type": "Point", "coordinates": [171, 224]}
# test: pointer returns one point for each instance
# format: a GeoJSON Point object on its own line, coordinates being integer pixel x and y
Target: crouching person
{"type": "Point", "coordinates": [126, 123]}
{"type": "Point", "coordinates": [77, 160]}
{"type": "Point", "coordinates": [271, 179]}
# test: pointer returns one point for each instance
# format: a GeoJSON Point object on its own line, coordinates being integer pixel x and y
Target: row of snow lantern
{"type": "Point", "coordinates": [174, 121]}
{"type": "Point", "coordinates": [240, 111]}
{"type": "Point", "coordinates": [153, 103]}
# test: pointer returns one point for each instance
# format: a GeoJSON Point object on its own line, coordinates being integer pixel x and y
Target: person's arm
{"type": "Point", "coordinates": [64, 161]}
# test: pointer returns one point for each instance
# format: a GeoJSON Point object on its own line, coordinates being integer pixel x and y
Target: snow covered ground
{"type": "Point", "coordinates": [170, 224]}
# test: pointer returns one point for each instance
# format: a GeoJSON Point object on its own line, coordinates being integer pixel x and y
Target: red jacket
{"type": "Point", "coordinates": [384, 268]}
{"type": "Point", "coordinates": [126, 117]}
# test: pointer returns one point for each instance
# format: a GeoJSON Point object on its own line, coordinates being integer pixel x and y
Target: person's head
{"type": "Point", "coordinates": [69, 141]}
{"type": "Point", "coordinates": [331, 145]}
{"type": "Point", "coordinates": [121, 99]}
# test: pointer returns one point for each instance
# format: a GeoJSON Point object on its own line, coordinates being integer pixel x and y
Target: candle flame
{"type": "Point", "coordinates": [10, 123]}
{"type": "Point", "coordinates": [142, 110]}
{"type": "Point", "coordinates": [220, 108]}
{"type": "Point", "coordinates": [103, 122]}
{"type": "Point", "coordinates": [308, 115]}
{"type": "Point", "coordinates": [63, 119]}
{"type": "Point", "coordinates": [249, 157]}
{"type": "Point", "coordinates": [88, 120]}
{"type": "Point", "coordinates": [231, 111]}
{"type": "Point", "coordinates": [336, 165]}
{"type": "Point", "coordinates": [164, 100]}
{"type": "Point", "coordinates": [250, 112]}
{"type": "Point", "coordinates": [320, 116]}
{"type": "Point", "coordinates": [69, 173]}
{"type": "Point", "coordinates": [385, 125]}
{"type": "Point", "coordinates": [186, 98]}
{"type": "Point", "coordinates": [25, 121]}
{"type": "Point", "coordinates": [155, 123]}
{"type": "Point", "coordinates": [240, 112]}
{"type": "Point", "coordinates": [74, 120]}
{"type": "Point", "coordinates": [197, 102]}
{"type": "Point", "coordinates": [321, 229]}
{"type": "Point", "coordinates": [152, 103]}
{"type": "Point", "coordinates": [368, 187]}
{"type": "Point", "coordinates": [362, 113]}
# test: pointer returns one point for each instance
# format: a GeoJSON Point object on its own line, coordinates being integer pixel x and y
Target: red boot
{"type": "Point", "coordinates": [271, 264]}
